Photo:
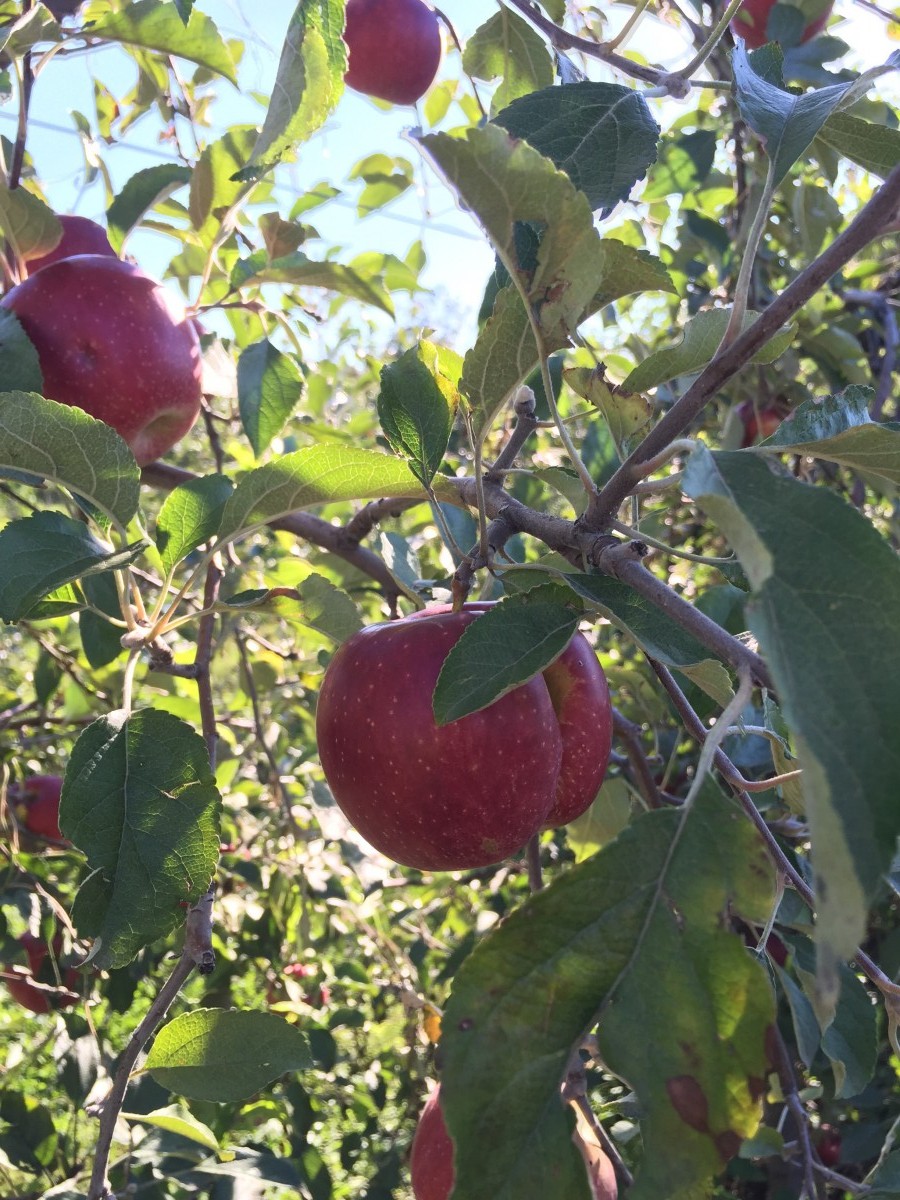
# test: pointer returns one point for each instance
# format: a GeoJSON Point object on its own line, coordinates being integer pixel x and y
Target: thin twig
{"type": "Point", "coordinates": [629, 735]}
{"type": "Point", "coordinates": [204, 657]}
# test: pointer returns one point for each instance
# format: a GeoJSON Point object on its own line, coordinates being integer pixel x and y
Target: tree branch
{"type": "Point", "coordinates": [874, 219]}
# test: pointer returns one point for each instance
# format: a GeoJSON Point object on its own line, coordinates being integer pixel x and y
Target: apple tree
{"type": "Point", "coordinates": [666, 446]}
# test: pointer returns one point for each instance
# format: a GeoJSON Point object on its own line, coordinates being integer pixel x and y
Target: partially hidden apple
{"type": "Point", "coordinates": [431, 1158]}
{"type": "Point", "coordinates": [79, 236]}
{"type": "Point", "coordinates": [36, 802]}
{"type": "Point", "coordinates": [753, 17]}
{"type": "Point", "coordinates": [116, 343]}
{"type": "Point", "coordinates": [758, 423]}
{"type": "Point", "coordinates": [471, 792]}
{"type": "Point", "coordinates": [394, 48]}
{"type": "Point", "coordinates": [24, 987]}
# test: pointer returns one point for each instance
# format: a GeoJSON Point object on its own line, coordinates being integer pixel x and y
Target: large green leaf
{"type": "Point", "coordinates": [786, 122]}
{"type": "Point", "coordinates": [41, 553]}
{"type": "Point", "coordinates": [319, 475]}
{"type": "Point", "coordinates": [506, 646]}
{"type": "Point", "coordinates": [67, 447]}
{"type": "Point", "coordinates": [826, 591]}
{"type": "Point", "coordinates": [296, 268]}
{"type": "Point", "coordinates": [142, 191]}
{"type": "Point", "coordinates": [875, 148]}
{"type": "Point", "coordinates": [190, 516]}
{"type": "Point", "coordinates": [701, 338]}
{"type": "Point", "coordinates": [839, 428]}
{"type": "Point", "coordinates": [505, 352]}
{"type": "Point", "coordinates": [506, 47]}
{"type": "Point", "coordinates": [269, 389]}
{"type": "Point", "coordinates": [309, 82]}
{"type": "Point", "coordinates": [27, 222]}
{"type": "Point", "coordinates": [416, 407]}
{"type": "Point", "coordinates": [601, 134]}
{"type": "Point", "coordinates": [156, 25]}
{"type": "Point", "coordinates": [224, 1054]}
{"type": "Point", "coordinates": [314, 602]}
{"type": "Point", "coordinates": [140, 800]}
{"type": "Point", "coordinates": [214, 188]}
{"type": "Point", "coordinates": [652, 906]}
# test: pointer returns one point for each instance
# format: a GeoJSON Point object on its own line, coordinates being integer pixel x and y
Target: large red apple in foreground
{"type": "Point", "coordinates": [37, 805]}
{"type": "Point", "coordinates": [116, 343]}
{"type": "Point", "coordinates": [394, 48]}
{"type": "Point", "coordinates": [472, 792]}
{"type": "Point", "coordinates": [753, 17]}
{"type": "Point", "coordinates": [431, 1159]}
{"type": "Point", "coordinates": [79, 236]}
{"type": "Point", "coordinates": [35, 999]}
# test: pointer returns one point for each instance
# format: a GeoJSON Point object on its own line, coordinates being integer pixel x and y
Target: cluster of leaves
{"type": "Point", "coordinates": [331, 965]}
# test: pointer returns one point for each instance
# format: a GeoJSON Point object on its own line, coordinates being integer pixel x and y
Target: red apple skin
{"type": "Point", "coordinates": [79, 236]}
{"type": "Point", "coordinates": [431, 1159]}
{"type": "Point", "coordinates": [757, 424]}
{"type": "Point", "coordinates": [38, 798]}
{"type": "Point", "coordinates": [394, 48]}
{"type": "Point", "coordinates": [580, 696]}
{"type": "Point", "coordinates": [753, 16]}
{"type": "Point", "coordinates": [24, 991]}
{"type": "Point", "coordinates": [115, 343]}
{"type": "Point", "coordinates": [442, 798]}
{"type": "Point", "coordinates": [828, 1146]}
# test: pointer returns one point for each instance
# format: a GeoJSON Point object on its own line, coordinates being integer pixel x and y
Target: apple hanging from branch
{"type": "Point", "coordinates": [471, 792]}
{"type": "Point", "coordinates": [36, 803]}
{"type": "Point", "coordinates": [116, 343]}
{"type": "Point", "coordinates": [79, 236]}
{"type": "Point", "coordinates": [394, 48]}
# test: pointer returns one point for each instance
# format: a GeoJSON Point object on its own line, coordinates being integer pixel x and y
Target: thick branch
{"type": "Point", "coordinates": [872, 220]}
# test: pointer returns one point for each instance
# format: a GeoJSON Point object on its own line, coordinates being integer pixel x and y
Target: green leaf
{"type": "Point", "coordinates": [156, 25]}
{"type": "Point", "coordinates": [20, 367]}
{"type": "Point", "coordinates": [505, 352]}
{"type": "Point", "coordinates": [315, 602]}
{"type": "Point", "coordinates": [296, 268]}
{"type": "Point", "coordinates": [184, 9]}
{"type": "Point", "coordinates": [506, 646]}
{"type": "Point", "coordinates": [657, 899]}
{"type": "Point", "coordinates": [178, 1119]}
{"type": "Point", "coordinates": [601, 134]}
{"type": "Point", "coordinates": [29, 1138]}
{"type": "Point", "coordinates": [787, 123]}
{"type": "Point", "coordinates": [401, 560]}
{"type": "Point", "coordinates": [416, 407]}
{"type": "Point", "coordinates": [269, 389]}
{"type": "Point", "coordinates": [819, 569]}
{"type": "Point", "coordinates": [142, 192]}
{"type": "Point", "coordinates": [27, 222]}
{"type": "Point", "coordinates": [702, 336]}
{"type": "Point", "coordinates": [875, 148]}
{"type": "Point", "coordinates": [626, 413]}
{"type": "Point", "coordinates": [839, 429]}
{"type": "Point", "coordinates": [603, 821]}
{"type": "Point", "coordinates": [190, 516]}
{"type": "Point", "coordinates": [309, 83]}
{"type": "Point", "coordinates": [319, 475]}
{"type": "Point", "coordinates": [225, 1055]}
{"type": "Point", "coordinates": [100, 639]}
{"type": "Point", "coordinates": [140, 800]}
{"type": "Point", "coordinates": [46, 550]}
{"type": "Point", "coordinates": [816, 213]}
{"type": "Point", "coordinates": [214, 188]}
{"type": "Point", "coordinates": [657, 634]}
{"type": "Point", "coordinates": [685, 162]}
{"type": "Point", "coordinates": [386, 179]}
{"type": "Point", "coordinates": [506, 47]}
{"type": "Point", "coordinates": [67, 447]}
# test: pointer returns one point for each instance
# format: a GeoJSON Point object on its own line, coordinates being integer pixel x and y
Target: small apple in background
{"type": "Point", "coordinates": [828, 1146]}
{"type": "Point", "coordinates": [431, 1159]}
{"type": "Point", "coordinates": [474, 791]}
{"type": "Point", "coordinates": [758, 423]}
{"type": "Point", "coordinates": [36, 803]}
{"type": "Point", "coordinates": [36, 999]}
{"type": "Point", "coordinates": [753, 17]}
{"type": "Point", "coordinates": [394, 48]}
{"type": "Point", "coordinates": [79, 236]}
{"type": "Point", "coordinates": [115, 343]}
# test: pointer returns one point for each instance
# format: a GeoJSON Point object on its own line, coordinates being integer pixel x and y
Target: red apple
{"type": "Point", "coordinates": [753, 17]}
{"type": "Point", "coordinates": [116, 343]}
{"type": "Point", "coordinates": [828, 1146]}
{"type": "Point", "coordinates": [394, 48]}
{"type": "Point", "coordinates": [39, 1000]}
{"type": "Point", "coordinates": [37, 805]}
{"type": "Point", "coordinates": [79, 236]}
{"type": "Point", "coordinates": [431, 1158]}
{"type": "Point", "coordinates": [758, 423]}
{"type": "Point", "coordinates": [471, 792]}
